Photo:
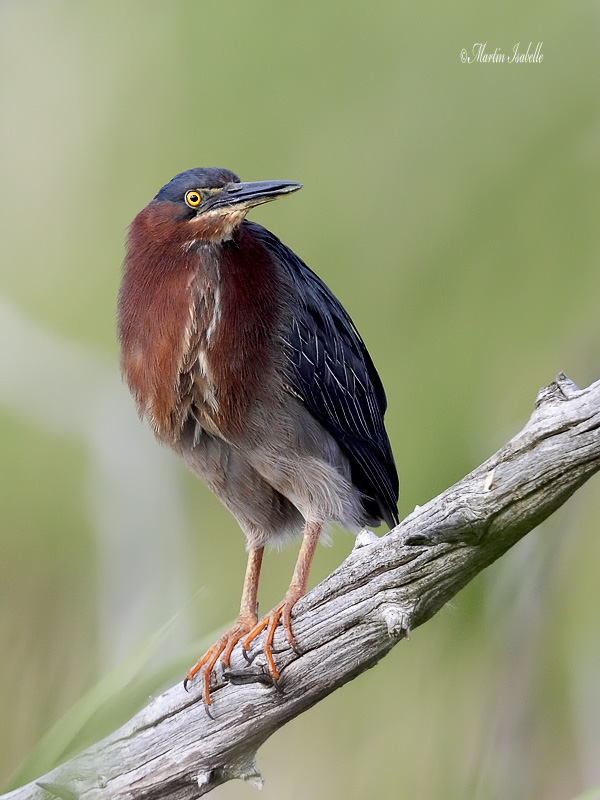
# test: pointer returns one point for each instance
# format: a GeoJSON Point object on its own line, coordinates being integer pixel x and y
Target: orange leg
{"type": "Point", "coordinates": [223, 647]}
{"type": "Point", "coordinates": [296, 590]}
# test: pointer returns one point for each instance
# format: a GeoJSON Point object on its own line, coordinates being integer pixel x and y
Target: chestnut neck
{"type": "Point", "coordinates": [187, 306]}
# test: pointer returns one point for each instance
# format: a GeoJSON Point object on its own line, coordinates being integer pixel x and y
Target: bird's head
{"type": "Point", "coordinates": [207, 204]}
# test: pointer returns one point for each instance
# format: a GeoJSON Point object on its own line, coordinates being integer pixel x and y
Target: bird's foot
{"type": "Point", "coordinates": [282, 612]}
{"type": "Point", "coordinates": [222, 649]}
{"type": "Point", "coordinates": [246, 629]}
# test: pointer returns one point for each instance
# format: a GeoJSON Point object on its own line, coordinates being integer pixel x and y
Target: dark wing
{"type": "Point", "coordinates": [331, 371]}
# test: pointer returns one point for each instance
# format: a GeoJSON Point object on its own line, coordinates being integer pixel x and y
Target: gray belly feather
{"type": "Point", "coordinates": [285, 469]}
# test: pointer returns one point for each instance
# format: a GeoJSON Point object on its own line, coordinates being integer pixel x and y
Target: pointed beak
{"type": "Point", "coordinates": [246, 195]}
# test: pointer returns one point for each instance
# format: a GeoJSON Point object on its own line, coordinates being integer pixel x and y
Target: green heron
{"type": "Point", "coordinates": [248, 367]}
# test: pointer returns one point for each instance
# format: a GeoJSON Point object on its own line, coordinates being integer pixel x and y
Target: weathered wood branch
{"type": "Point", "coordinates": [386, 587]}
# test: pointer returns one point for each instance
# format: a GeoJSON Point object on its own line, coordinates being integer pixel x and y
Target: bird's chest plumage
{"type": "Point", "coordinates": [238, 347]}
{"type": "Point", "coordinates": [197, 340]}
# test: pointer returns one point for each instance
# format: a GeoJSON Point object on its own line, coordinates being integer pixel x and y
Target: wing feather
{"type": "Point", "coordinates": [331, 371]}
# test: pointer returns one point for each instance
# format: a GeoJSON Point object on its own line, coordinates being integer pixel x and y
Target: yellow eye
{"type": "Point", "coordinates": [193, 198]}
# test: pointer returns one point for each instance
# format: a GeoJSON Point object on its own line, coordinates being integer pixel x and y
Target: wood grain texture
{"type": "Point", "coordinates": [386, 587]}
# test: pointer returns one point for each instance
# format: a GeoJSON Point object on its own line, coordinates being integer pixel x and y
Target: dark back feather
{"type": "Point", "coordinates": [331, 371]}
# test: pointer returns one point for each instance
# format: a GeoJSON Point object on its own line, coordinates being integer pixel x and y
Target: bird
{"type": "Point", "coordinates": [245, 364]}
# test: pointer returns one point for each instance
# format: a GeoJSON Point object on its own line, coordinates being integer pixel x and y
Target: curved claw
{"type": "Point", "coordinates": [222, 649]}
{"type": "Point", "coordinates": [282, 612]}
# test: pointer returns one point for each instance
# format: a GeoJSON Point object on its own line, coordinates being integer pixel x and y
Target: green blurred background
{"type": "Point", "coordinates": [454, 209]}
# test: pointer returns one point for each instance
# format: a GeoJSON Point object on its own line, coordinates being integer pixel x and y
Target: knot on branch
{"type": "Point", "coordinates": [397, 620]}
{"type": "Point", "coordinates": [561, 388]}
{"type": "Point", "coordinates": [244, 770]}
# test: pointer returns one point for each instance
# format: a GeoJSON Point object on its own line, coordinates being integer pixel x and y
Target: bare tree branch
{"type": "Point", "coordinates": [386, 587]}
